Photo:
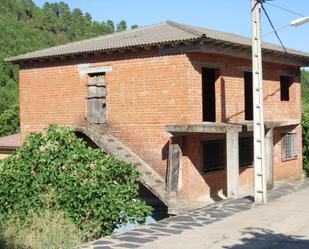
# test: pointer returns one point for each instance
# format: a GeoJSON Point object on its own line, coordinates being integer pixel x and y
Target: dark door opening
{"type": "Point", "coordinates": [248, 96]}
{"type": "Point", "coordinates": [209, 76]}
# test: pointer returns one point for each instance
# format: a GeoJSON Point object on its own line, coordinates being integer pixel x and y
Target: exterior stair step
{"type": "Point", "coordinates": [107, 142]}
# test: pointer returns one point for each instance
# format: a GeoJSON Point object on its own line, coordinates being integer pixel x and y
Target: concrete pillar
{"type": "Point", "coordinates": [232, 161]}
{"type": "Point", "coordinates": [269, 141]}
{"type": "Point", "coordinates": [174, 167]}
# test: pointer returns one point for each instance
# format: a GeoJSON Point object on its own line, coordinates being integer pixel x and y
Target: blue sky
{"type": "Point", "coordinates": [225, 15]}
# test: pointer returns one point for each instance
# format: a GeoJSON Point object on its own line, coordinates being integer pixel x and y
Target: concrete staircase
{"type": "Point", "coordinates": [100, 135]}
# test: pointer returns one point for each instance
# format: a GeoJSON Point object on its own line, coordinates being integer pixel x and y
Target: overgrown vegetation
{"type": "Point", "coordinates": [9, 120]}
{"type": "Point", "coordinates": [26, 27]}
{"type": "Point", "coordinates": [48, 230]}
{"type": "Point", "coordinates": [54, 171]}
{"type": "Point", "coordinates": [305, 119]}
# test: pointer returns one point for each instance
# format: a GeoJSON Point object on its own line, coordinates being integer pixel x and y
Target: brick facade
{"type": "Point", "coordinates": [148, 90]}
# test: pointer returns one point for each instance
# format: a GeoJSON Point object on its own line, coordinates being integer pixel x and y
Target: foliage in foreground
{"type": "Point", "coordinates": [48, 230]}
{"type": "Point", "coordinates": [55, 170]}
{"type": "Point", "coordinates": [305, 128]}
{"type": "Point", "coordinates": [305, 119]}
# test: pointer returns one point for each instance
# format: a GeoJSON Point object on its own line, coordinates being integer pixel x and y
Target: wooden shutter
{"type": "Point", "coordinates": [96, 100]}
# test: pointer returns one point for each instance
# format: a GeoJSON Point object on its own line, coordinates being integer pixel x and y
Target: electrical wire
{"type": "Point", "coordinates": [273, 27]}
{"type": "Point", "coordinates": [283, 27]}
{"type": "Point", "coordinates": [285, 9]}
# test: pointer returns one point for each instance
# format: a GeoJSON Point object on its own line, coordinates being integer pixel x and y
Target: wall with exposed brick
{"type": "Point", "coordinates": [146, 91]}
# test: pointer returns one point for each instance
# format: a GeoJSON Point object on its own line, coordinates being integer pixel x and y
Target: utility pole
{"type": "Point", "coordinates": [258, 108]}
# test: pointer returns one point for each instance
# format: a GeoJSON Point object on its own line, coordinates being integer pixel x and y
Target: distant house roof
{"type": "Point", "coordinates": [10, 142]}
{"type": "Point", "coordinates": [157, 34]}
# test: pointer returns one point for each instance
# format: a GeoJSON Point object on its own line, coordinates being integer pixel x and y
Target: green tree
{"type": "Point", "coordinates": [26, 27]}
{"type": "Point", "coordinates": [55, 170]}
{"type": "Point", "coordinates": [122, 26]}
{"type": "Point", "coordinates": [9, 121]}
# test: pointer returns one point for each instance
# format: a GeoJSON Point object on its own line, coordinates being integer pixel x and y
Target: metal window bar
{"type": "Point", "coordinates": [289, 146]}
{"type": "Point", "coordinates": [213, 155]}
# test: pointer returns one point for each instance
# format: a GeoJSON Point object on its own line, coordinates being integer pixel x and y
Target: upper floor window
{"type": "Point", "coordinates": [289, 146]}
{"type": "Point", "coordinates": [248, 96]}
{"type": "Point", "coordinates": [285, 82]}
{"type": "Point", "coordinates": [213, 155]}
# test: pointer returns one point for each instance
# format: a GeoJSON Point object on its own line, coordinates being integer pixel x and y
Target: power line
{"type": "Point", "coordinates": [282, 8]}
{"type": "Point", "coordinates": [282, 27]}
{"type": "Point", "coordinates": [273, 27]}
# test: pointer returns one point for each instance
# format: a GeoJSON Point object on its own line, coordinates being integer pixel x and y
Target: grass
{"type": "Point", "coordinates": [48, 230]}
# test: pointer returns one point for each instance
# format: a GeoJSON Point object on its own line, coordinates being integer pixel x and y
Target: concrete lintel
{"type": "Point", "coordinates": [287, 73]}
{"type": "Point", "coordinates": [87, 69]}
{"type": "Point", "coordinates": [209, 64]}
{"type": "Point", "coordinates": [248, 125]}
{"type": "Point", "coordinates": [206, 127]}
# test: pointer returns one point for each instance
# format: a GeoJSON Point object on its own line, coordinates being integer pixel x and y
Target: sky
{"type": "Point", "coordinates": [224, 15]}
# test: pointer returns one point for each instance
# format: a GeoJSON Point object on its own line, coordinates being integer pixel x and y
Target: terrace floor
{"type": "Point", "coordinates": [281, 223]}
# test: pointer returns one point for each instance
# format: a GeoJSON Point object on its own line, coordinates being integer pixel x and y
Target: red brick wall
{"type": "Point", "coordinates": [287, 168]}
{"type": "Point", "coordinates": [144, 93]}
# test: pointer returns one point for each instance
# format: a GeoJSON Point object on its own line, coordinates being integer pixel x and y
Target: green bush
{"type": "Point", "coordinates": [305, 118]}
{"type": "Point", "coordinates": [56, 170]}
{"type": "Point", "coordinates": [9, 121]}
{"type": "Point", "coordinates": [48, 230]}
{"type": "Point", "coordinates": [305, 130]}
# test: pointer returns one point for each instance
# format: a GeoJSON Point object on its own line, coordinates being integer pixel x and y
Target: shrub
{"type": "Point", "coordinates": [56, 170]}
{"type": "Point", "coordinates": [305, 130]}
{"type": "Point", "coordinates": [48, 230]}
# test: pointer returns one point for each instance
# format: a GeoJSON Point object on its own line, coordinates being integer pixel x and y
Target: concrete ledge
{"type": "Point", "coordinates": [248, 125]}
{"type": "Point", "coordinates": [205, 127]}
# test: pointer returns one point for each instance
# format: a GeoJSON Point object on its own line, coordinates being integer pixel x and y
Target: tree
{"type": "Point", "coordinates": [26, 27]}
{"type": "Point", "coordinates": [111, 25]}
{"type": "Point", "coordinates": [134, 26]}
{"type": "Point", "coordinates": [55, 170]}
{"type": "Point", "coordinates": [122, 26]}
{"type": "Point", "coordinates": [9, 121]}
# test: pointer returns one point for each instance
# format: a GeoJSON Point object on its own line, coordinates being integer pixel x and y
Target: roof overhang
{"type": "Point", "coordinates": [244, 51]}
{"type": "Point", "coordinates": [203, 45]}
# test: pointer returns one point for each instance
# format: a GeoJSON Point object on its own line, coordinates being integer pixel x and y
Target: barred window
{"type": "Point", "coordinates": [213, 155]}
{"type": "Point", "coordinates": [289, 146]}
{"type": "Point", "coordinates": [245, 151]}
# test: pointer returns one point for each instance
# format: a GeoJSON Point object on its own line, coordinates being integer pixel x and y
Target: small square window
{"type": "Point", "coordinates": [213, 155]}
{"type": "Point", "coordinates": [289, 146]}
{"type": "Point", "coordinates": [285, 82]}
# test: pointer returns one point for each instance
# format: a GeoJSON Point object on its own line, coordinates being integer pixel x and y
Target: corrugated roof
{"type": "Point", "coordinates": [166, 32]}
{"type": "Point", "coordinates": [11, 141]}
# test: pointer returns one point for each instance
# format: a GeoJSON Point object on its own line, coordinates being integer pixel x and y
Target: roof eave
{"type": "Point", "coordinates": [20, 59]}
{"type": "Point", "coordinates": [268, 54]}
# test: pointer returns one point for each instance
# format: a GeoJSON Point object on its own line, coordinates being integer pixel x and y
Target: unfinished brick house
{"type": "Point", "coordinates": [173, 99]}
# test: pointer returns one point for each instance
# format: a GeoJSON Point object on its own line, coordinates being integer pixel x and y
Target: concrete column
{"type": "Point", "coordinates": [232, 161]}
{"type": "Point", "coordinates": [174, 161]}
{"type": "Point", "coordinates": [269, 141]}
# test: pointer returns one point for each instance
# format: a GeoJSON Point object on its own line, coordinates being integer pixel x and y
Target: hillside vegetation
{"type": "Point", "coordinates": [25, 27]}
